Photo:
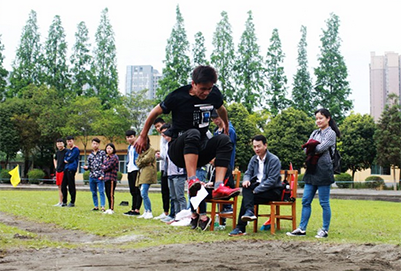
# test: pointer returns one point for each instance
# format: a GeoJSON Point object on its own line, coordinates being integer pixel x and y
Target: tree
{"type": "Point", "coordinates": [105, 63]}
{"type": "Point", "coordinates": [83, 112]}
{"type": "Point", "coordinates": [245, 130]}
{"type": "Point", "coordinates": [222, 57]}
{"type": "Point", "coordinates": [56, 68]}
{"type": "Point", "coordinates": [199, 50]}
{"type": "Point", "coordinates": [178, 64]}
{"type": "Point", "coordinates": [27, 66]}
{"type": "Point", "coordinates": [358, 148]}
{"type": "Point", "coordinates": [286, 133]}
{"type": "Point", "coordinates": [261, 118]}
{"type": "Point", "coordinates": [50, 119]}
{"type": "Point", "coordinates": [138, 108]}
{"type": "Point", "coordinates": [81, 62]}
{"type": "Point", "coordinates": [332, 88]}
{"type": "Point", "coordinates": [276, 80]}
{"type": "Point", "coordinates": [3, 74]}
{"type": "Point", "coordinates": [248, 68]}
{"type": "Point", "coordinates": [388, 135]}
{"type": "Point", "coordinates": [302, 93]}
{"type": "Point", "coordinates": [112, 123]}
{"type": "Point", "coordinates": [9, 140]}
{"type": "Point", "coordinates": [25, 123]}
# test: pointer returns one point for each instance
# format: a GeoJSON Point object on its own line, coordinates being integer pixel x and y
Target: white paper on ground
{"type": "Point", "coordinates": [201, 195]}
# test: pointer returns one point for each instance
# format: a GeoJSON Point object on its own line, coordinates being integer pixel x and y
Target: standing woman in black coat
{"type": "Point", "coordinates": [319, 174]}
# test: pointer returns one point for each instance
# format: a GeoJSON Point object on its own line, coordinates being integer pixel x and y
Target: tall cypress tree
{"type": "Point", "coordinates": [248, 68]}
{"type": "Point", "coordinates": [388, 135]}
{"type": "Point", "coordinates": [302, 96]}
{"type": "Point", "coordinates": [276, 79]}
{"type": "Point", "coordinates": [81, 62]}
{"type": "Point", "coordinates": [177, 63]}
{"type": "Point", "coordinates": [105, 62]}
{"type": "Point", "coordinates": [199, 50]}
{"type": "Point", "coordinates": [223, 56]}
{"type": "Point", "coordinates": [27, 66]}
{"type": "Point", "coordinates": [332, 88]}
{"type": "Point", "coordinates": [3, 74]}
{"type": "Point", "coordinates": [56, 68]}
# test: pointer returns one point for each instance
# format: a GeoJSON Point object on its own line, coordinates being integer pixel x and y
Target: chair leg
{"type": "Point", "coordinates": [294, 216]}
{"type": "Point", "coordinates": [272, 219]}
{"type": "Point", "coordinates": [278, 219]}
{"type": "Point", "coordinates": [255, 223]}
{"type": "Point", "coordinates": [213, 215]}
{"type": "Point", "coordinates": [234, 215]}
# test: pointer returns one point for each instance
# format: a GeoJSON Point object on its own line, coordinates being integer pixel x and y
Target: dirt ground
{"type": "Point", "coordinates": [233, 254]}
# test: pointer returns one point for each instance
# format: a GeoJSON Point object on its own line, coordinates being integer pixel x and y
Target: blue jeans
{"type": "Point", "coordinates": [324, 199]}
{"type": "Point", "coordinates": [145, 197]}
{"type": "Point", "coordinates": [177, 192]}
{"type": "Point", "coordinates": [95, 184]}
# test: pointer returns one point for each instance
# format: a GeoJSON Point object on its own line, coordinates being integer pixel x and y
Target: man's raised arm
{"type": "Point", "coordinates": [140, 142]}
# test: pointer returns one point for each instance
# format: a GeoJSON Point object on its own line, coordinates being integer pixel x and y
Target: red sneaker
{"type": "Point", "coordinates": [224, 192]}
{"type": "Point", "coordinates": [193, 187]}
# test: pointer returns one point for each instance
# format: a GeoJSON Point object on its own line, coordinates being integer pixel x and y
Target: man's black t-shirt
{"type": "Point", "coordinates": [189, 111]}
{"type": "Point", "coordinates": [59, 156]}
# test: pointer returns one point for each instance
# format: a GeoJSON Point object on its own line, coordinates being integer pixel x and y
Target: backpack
{"type": "Point", "coordinates": [286, 194]}
{"type": "Point", "coordinates": [336, 160]}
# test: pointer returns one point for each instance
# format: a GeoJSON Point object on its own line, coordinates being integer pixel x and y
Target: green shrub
{"type": "Point", "coordinates": [86, 176]}
{"type": "Point", "coordinates": [301, 184]}
{"type": "Point", "coordinates": [343, 180]}
{"type": "Point", "coordinates": [374, 181]}
{"type": "Point", "coordinates": [35, 176]}
{"type": "Point", "coordinates": [4, 176]}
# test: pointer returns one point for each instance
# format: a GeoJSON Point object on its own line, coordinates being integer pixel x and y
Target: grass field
{"type": "Point", "coordinates": [352, 222]}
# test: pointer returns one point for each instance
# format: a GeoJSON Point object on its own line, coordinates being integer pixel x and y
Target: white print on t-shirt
{"type": "Point", "coordinates": [201, 115]}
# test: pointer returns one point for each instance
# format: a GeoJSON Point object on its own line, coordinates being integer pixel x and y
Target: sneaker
{"type": "Point", "coordinates": [95, 209]}
{"type": "Point", "coordinates": [193, 187]}
{"type": "Point", "coordinates": [248, 216]}
{"type": "Point", "coordinates": [71, 204]}
{"type": "Point", "coordinates": [161, 216]}
{"type": "Point", "coordinates": [297, 232]}
{"type": "Point", "coordinates": [148, 215]}
{"type": "Point", "coordinates": [236, 232]}
{"type": "Point", "coordinates": [142, 215]}
{"type": "Point", "coordinates": [109, 212]}
{"type": "Point", "coordinates": [194, 222]}
{"type": "Point", "coordinates": [204, 224]}
{"type": "Point", "coordinates": [182, 222]}
{"type": "Point", "coordinates": [167, 219]}
{"type": "Point", "coordinates": [322, 234]}
{"type": "Point", "coordinates": [58, 204]}
{"type": "Point", "coordinates": [224, 192]}
{"type": "Point", "coordinates": [227, 211]}
{"type": "Point", "coordinates": [129, 213]}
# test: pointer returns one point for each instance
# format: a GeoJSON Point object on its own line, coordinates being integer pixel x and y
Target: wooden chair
{"type": "Point", "coordinates": [275, 214]}
{"type": "Point", "coordinates": [220, 202]}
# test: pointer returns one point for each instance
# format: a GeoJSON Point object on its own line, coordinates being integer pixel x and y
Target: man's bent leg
{"type": "Point", "coordinates": [184, 151]}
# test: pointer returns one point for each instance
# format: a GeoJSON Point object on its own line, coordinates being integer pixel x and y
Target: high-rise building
{"type": "Point", "coordinates": [385, 74]}
{"type": "Point", "coordinates": [142, 77]}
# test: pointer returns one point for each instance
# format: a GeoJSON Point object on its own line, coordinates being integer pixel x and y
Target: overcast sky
{"type": "Point", "coordinates": [143, 27]}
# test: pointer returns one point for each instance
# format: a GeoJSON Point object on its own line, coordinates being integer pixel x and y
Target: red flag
{"type": "Point", "coordinates": [292, 181]}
